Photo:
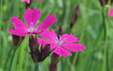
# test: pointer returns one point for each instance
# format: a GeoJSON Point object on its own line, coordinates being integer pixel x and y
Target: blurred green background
{"type": "Point", "coordinates": [93, 27]}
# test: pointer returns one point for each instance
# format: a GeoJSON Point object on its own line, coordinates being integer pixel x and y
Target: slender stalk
{"type": "Point", "coordinates": [40, 66]}
{"type": "Point", "coordinates": [45, 67]}
{"type": "Point", "coordinates": [0, 38]}
{"type": "Point", "coordinates": [12, 60]}
{"type": "Point", "coordinates": [36, 66]}
{"type": "Point", "coordinates": [74, 61]}
{"type": "Point", "coordinates": [106, 27]}
{"type": "Point", "coordinates": [105, 37]}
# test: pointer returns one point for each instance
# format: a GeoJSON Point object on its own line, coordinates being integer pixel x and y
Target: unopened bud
{"type": "Point", "coordinates": [45, 51]}
{"type": "Point", "coordinates": [75, 16]}
{"type": "Point", "coordinates": [104, 2]}
{"type": "Point", "coordinates": [17, 40]}
{"type": "Point", "coordinates": [28, 5]}
{"type": "Point", "coordinates": [33, 42]}
{"type": "Point", "coordinates": [54, 62]}
{"type": "Point", "coordinates": [35, 55]}
{"type": "Point", "coordinates": [38, 55]}
{"type": "Point", "coordinates": [34, 48]}
{"type": "Point", "coordinates": [61, 31]}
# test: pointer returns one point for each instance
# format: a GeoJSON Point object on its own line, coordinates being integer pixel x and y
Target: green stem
{"type": "Point", "coordinates": [0, 38]}
{"type": "Point", "coordinates": [40, 66]}
{"type": "Point", "coordinates": [12, 60]}
{"type": "Point", "coordinates": [74, 61]}
{"type": "Point", "coordinates": [105, 63]}
{"type": "Point", "coordinates": [36, 66]}
{"type": "Point", "coordinates": [106, 27]}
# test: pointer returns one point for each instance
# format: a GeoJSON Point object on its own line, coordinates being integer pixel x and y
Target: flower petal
{"type": "Point", "coordinates": [18, 23]}
{"type": "Point", "coordinates": [50, 20]}
{"type": "Point", "coordinates": [19, 32]}
{"type": "Point", "coordinates": [28, 1]}
{"type": "Point", "coordinates": [61, 51]}
{"type": "Point", "coordinates": [32, 16]}
{"type": "Point", "coordinates": [42, 41]}
{"type": "Point", "coordinates": [69, 38]}
{"type": "Point", "coordinates": [51, 35]}
{"type": "Point", "coordinates": [74, 47]}
{"type": "Point", "coordinates": [52, 45]}
{"type": "Point", "coordinates": [111, 12]}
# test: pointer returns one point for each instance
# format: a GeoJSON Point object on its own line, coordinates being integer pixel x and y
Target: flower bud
{"type": "Point", "coordinates": [104, 2]}
{"type": "Point", "coordinates": [61, 31]}
{"type": "Point", "coordinates": [35, 55]}
{"type": "Point", "coordinates": [33, 42]}
{"type": "Point", "coordinates": [75, 16]}
{"type": "Point", "coordinates": [28, 5]}
{"type": "Point", "coordinates": [34, 48]}
{"type": "Point", "coordinates": [45, 51]}
{"type": "Point", "coordinates": [54, 62]}
{"type": "Point", "coordinates": [17, 40]}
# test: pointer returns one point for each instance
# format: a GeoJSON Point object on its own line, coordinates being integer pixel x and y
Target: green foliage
{"type": "Point", "coordinates": [88, 28]}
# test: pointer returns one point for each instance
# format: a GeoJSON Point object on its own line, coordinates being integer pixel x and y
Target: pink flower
{"type": "Point", "coordinates": [28, 1]}
{"type": "Point", "coordinates": [111, 12]}
{"type": "Point", "coordinates": [31, 17]}
{"type": "Point", "coordinates": [62, 44]}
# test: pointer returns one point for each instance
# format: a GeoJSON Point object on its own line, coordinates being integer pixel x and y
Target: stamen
{"type": "Point", "coordinates": [64, 39]}
{"type": "Point", "coordinates": [37, 23]}
{"type": "Point", "coordinates": [31, 29]}
{"type": "Point", "coordinates": [31, 23]}
{"type": "Point", "coordinates": [59, 36]}
{"type": "Point", "coordinates": [57, 39]}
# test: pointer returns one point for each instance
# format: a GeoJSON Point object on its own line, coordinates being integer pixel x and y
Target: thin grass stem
{"type": "Point", "coordinates": [12, 60]}
{"type": "Point", "coordinates": [0, 38]}
{"type": "Point", "coordinates": [106, 27]}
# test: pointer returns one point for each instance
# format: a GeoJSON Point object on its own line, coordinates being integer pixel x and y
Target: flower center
{"type": "Point", "coordinates": [31, 29]}
{"type": "Point", "coordinates": [59, 43]}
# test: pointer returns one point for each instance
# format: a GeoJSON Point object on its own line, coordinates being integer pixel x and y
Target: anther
{"type": "Point", "coordinates": [31, 23]}
{"type": "Point", "coordinates": [57, 39]}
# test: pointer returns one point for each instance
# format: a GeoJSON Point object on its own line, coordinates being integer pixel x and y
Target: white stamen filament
{"type": "Point", "coordinates": [37, 23]}
{"type": "Point", "coordinates": [59, 36]}
{"type": "Point", "coordinates": [31, 23]}
{"type": "Point", "coordinates": [57, 39]}
{"type": "Point", "coordinates": [64, 39]}
{"type": "Point", "coordinates": [59, 43]}
{"type": "Point", "coordinates": [31, 29]}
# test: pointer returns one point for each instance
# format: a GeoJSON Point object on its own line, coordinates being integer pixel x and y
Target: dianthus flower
{"type": "Point", "coordinates": [31, 17]}
{"type": "Point", "coordinates": [62, 44]}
